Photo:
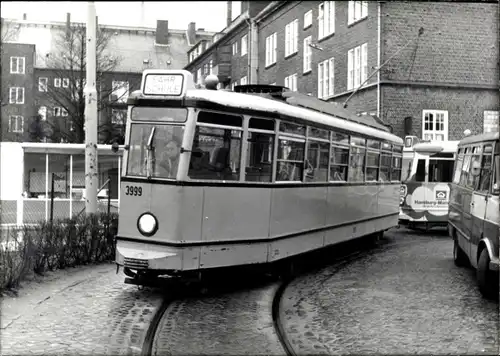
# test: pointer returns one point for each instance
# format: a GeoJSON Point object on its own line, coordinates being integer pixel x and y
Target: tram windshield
{"type": "Point", "coordinates": [155, 148]}
{"type": "Point", "coordinates": [406, 171]}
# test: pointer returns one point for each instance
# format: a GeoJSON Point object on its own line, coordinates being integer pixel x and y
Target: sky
{"type": "Point", "coordinates": [178, 14]}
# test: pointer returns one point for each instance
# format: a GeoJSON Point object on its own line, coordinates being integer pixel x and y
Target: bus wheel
{"type": "Point", "coordinates": [487, 279]}
{"type": "Point", "coordinates": [459, 256]}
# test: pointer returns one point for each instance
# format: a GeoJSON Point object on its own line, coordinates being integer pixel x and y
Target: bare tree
{"type": "Point", "coordinates": [68, 63]}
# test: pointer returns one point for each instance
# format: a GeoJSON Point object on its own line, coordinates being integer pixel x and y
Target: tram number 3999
{"type": "Point", "coordinates": [131, 190]}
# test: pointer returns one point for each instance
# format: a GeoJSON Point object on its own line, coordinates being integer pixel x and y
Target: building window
{"type": "Point", "coordinates": [291, 37]}
{"type": "Point", "coordinates": [243, 81]}
{"type": "Point", "coordinates": [244, 45]}
{"type": "Point", "coordinates": [271, 49]}
{"type": "Point", "coordinates": [17, 65]}
{"type": "Point", "coordinates": [211, 67]}
{"type": "Point", "coordinates": [65, 82]}
{"type": "Point", "coordinates": [205, 69]}
{"type": "Point", "coordinates": [435, 125]}
{"type": "Point", "coordinates": [357, 10]}
{"type": "Point", "coordinates": [307, 54]}
{"type": "Point", "coordinates": [16, 123]}
{"type": "Point", "coordinates": [118, 116]}
{"type": "Point", "coordinates": [57, 82]}
{"type": "Point", "coordinates": [57, 111]}
{"type": "Point", "coordinates": [235, 48]}
{"type": "Point", "coordinates": [16, 95]}
{"type": "Point", "coordinates": [357, 66]}
{"type": "Point", "coordinates": [326, 71]}
{"type": "Point", "coordinates": [490, 123]}
{"type": "Point", "coordinates": [198, 76]}
{"type": "Point", "coordinates": [64, 112]}
{"type": "Point", "coordinates": [42, 84]}
{"type": "Point", "coordinates": [120, 91]}
{"type": "Point", "coordinates": [326, 19]}
{"type": "Point", "coordinates": [291, 82]}
{"type": "Point", "coordinates": [308, 19]}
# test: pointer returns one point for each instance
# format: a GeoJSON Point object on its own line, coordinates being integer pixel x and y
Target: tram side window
{"type": "Point", "coordinates": [385, 167]}
{"type": "Point", "coordinates": [290, 159]}
{"type": "Point", "coordinates": [396, 168]}
{"type": "Point", "coordinates": [486, 170]}
{"type": "Point", "coordinates": [420, 174]}
{"type": "Point", "coordinates": [440, 170]}
{"type": "Point", "coordinates": [260, 150]}
{"type": "Point", "coordinates": [465, 169]}
{"type": "Point", "coordinates": [317, 161]}
{"type": "Point", "coordinates": [339, 162]}
{"type": "Point", "coordinates": [407, 163]}
{"type": "Point", "coordinates": [216, 150]}
{"type": "Point", "coordinates": [372, 164]}
{"type": "Point", "coordinates": [357, 164]}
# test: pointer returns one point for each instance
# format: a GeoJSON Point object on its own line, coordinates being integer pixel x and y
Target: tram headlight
{"type": "Point", "coordinates": [147, 224]}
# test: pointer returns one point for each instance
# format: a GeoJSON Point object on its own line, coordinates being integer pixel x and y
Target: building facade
{"type": "Point", "coordinates": [439, 74]}
{"type": "Point", "coordinates": [47, 101]}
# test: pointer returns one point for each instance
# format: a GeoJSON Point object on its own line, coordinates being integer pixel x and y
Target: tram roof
{"type": "Point", "coordinates": [488, 136]}
{"type": "Point", "coordinates": [448, 146]}
{"type": "Point", "coordinates": [343, 118]}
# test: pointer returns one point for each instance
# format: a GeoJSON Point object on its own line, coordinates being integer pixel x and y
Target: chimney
{"type": "Point", "coordinates": [161, 32]}
{"type": "Point", "coordinates": [24, 17]}
{"type": "Point", "coordinates": [229, 13]}
{"type": "Point", "coordinates": [192, 33]}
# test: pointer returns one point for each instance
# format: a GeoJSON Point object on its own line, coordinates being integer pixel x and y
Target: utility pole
{"type": "Point", "coordinates": [91, 174]}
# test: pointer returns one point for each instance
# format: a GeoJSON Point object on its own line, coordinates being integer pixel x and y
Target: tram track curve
{"type": "Point", "coordinates": [340, 261]}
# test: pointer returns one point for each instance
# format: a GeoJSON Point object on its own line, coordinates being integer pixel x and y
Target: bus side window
{"type": "Point", "coordinates": [420, 174]}
{"type": "Point", "coordinates": [474, 170]}
{"type": "Point", "coordinates": [486, 170]}
{"type": "Point", "coordinates": [458, 168]}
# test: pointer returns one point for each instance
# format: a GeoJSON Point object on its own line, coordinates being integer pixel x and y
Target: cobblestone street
{"type": "Point", "coordinates": [408, 299]}
{"type": "Point", "coordinates": [89, 311]}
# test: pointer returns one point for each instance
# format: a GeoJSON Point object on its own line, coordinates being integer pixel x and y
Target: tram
{"type": "Point", "coordinates": [426, 178]}
{"type": "Point", "coordinates": [217, 178]}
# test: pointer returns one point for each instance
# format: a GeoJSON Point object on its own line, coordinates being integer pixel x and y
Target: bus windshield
{"type": "Point", "coordinates": [154, 149]}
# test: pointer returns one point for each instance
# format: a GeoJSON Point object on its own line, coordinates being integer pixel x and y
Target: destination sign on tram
{"type": "Point", "coordinates": [163, 84]}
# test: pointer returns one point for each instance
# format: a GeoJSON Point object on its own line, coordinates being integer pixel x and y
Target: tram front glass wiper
{"type": "Point", "coordinates": [150, 148]}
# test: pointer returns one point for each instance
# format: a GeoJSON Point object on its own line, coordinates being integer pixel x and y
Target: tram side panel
{"type": "Point", "coordinates": [388, 205]}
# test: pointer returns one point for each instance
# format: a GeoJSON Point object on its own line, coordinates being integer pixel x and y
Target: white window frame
{"type": "Point", "coordinates": [15, 65]}
{"type": "Point", "coordinates": [326, 19]}
{"type": "Point", "coordinates": [326, 86]}
{"type": "Point", "coordinates": [16, 100]}
{"type": "Point", "coordinates": [57, 82]}
{"type": "Point", "coordinates": [43, 84]}
{"type": "Point", "coordinates": [307, 55]}
{"type": "Point", "coordinates": [490, 121]}
{"type": "Point", "coordinates": [235, 48]}
{"type": "Point", "coordinates": [243, 80]}
{"type": "Point", "coordinates": [308, 19]}
{"type": "Point", "coordinates": [16, 119]}
{"type": "Point", "coordinates": [357, 10]}
{"type": "Point", "coordinates": [64, 112]}
{"type": "Point", "coordinates": [57, 111]}
{"type": "Point", "coordinates": [65, 82]}
{"type": "Point", "coordinates": [121, 89]}
{"type": "Point", "coordinates": [291, 38]}
{"type": "Point", "coordinates": [433, 134]}
{"type": "Point", "coordinates": [244, 45]}
{"type": "Point", "coordinates": [291, 82]}
{"type": "Point", "coordinates": [271, 49]}
{"type": "Point", "coordinates": [357, 66]}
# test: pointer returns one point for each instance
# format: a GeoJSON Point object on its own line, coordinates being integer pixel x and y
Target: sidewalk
{"type": "Point", "coordinates": [85, 310]}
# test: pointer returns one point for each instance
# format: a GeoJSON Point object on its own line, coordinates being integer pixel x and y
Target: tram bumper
{"type": "Point", "coordinates": [141, 256]}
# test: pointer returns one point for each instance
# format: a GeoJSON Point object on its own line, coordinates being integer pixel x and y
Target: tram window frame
{"type": "Point", "coordinates": [385, 162]}
{"type": "Point", "coordinates": [339, 141]}
{"type": "Point", "coordinates": [370, 168]}
{"type": "Point", "coordinates": [495, 174]}
{"type": "Point", "coordinates": [396, 168]}
{"type": "Point", "coordinates": [442, 163]}
{"type": "Point", "coordinates": [264, 131]}
{"type": "Point", "coordinates": [473, 179]}
{"type": "Point", "coordinates": [465, 167]}
{"type": "Point", "coordinates": [283, 165]}
{"type": "Point", "coordinates": [420, 175]}
{"type": "Point", "coordinates": [357, 149]}
{"type": "Point", "coordinates": [310, 175]}
{"type": "Point", "coordinates": [212, 170]}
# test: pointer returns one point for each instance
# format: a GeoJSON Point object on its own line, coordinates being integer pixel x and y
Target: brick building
{"type": "Point", "coordinates": [440, 73]}
{"type": "Point", "coordinates": [50, 89]}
